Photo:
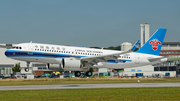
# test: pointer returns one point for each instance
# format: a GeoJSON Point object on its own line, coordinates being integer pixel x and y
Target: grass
{"type": "Point", "coordinates": [9, 82]}
{"type": "Point", "coordinates": [98, 94]}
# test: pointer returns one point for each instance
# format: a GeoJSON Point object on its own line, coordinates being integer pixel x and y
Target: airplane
{"type": "Point", "coordinates": [71, 58]}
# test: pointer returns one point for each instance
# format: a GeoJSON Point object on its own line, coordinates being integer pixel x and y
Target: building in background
{"type": "Point", "coordinates": [125, 46]}
{"type": "Point", "coordinates": [144, 28]}
{"type": "Point", "coordinates": [172, 51]}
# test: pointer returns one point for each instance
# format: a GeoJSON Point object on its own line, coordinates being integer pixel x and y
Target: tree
{"type": "Point", "coordinates": [16, 68]}
{"type": "Point", "coordinates": [110, 48]}
{"type": "Point", "coordinates": [96, 47]}
{"type": "Point", "coordinates": [114, 48]}
{"type": "Point", "coordinates": [117, 48]}
{"type": "Point", "coordinates": [91, 69]}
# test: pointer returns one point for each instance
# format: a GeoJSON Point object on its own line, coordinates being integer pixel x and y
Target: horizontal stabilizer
{"type": "Point", "coordinates": [161, 59]}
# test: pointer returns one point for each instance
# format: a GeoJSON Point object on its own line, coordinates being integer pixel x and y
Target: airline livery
{"type": "Point", "coordinates": [73, 58]}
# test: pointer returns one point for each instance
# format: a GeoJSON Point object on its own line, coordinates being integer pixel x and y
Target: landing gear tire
{"type": "Point", "coordinates": [77, 73]}
{"type": "Point", "coordinates": [88, 73]}
{"type": "Point", "coordinates": [26, 69]}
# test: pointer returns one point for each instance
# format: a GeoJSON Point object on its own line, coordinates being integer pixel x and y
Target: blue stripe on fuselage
{"type": "Point", "coordinates": [19, 53]}
{"type": "Point", "coordinates": [16, 53]}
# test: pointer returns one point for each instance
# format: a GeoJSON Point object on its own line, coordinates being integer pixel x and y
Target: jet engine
{"type": "Point", "coordinates": [70, 64]}
{"type": "Point", "coordinates": [54, 66]}
{"type": "Point", "coordinates": [66, 64]}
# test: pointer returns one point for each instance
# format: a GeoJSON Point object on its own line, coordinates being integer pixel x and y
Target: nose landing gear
{"type": "Point", "coordinates": [27, 69]}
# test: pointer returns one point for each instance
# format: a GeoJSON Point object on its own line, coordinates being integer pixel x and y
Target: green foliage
{"type": "Point", "coordinates": [114, 48]}
{"type": "Point", "coordinates": [91, 69]}
{"type": "Point", "coordinates": [110, 48]}
{"type": "Point", "coordinates": [117, 48]}
{"type": "Point", "coordinates": [94, 94]}
{"type": "Point", "coordinates": [16, 68]}
{"type": "Point", "coordinates": [96, 47]}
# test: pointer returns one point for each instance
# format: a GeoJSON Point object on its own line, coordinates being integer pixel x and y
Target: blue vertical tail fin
{"type": "Point", "coordinates": [154, 44]}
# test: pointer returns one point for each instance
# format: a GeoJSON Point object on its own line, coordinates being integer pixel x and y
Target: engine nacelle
{"type": "Point", "coordinates": [69, 64]}
{"type": "Point", "coordinates": [54, 66]}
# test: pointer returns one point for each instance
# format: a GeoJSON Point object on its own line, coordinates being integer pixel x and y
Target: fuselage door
{"type": "Point", "coordinates": [137, 58]}
{"type": "Point", "coordinates": [30, 48]}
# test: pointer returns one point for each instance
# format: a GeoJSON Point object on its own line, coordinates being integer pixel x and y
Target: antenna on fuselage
{"type": "Point", "coordinates": [31, 42]}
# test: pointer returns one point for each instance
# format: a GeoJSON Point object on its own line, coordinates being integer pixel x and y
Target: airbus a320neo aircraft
{"type": "Point", "coordinates": [73, 58]}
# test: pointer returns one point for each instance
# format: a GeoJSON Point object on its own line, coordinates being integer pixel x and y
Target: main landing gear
{"type": "Point", "coordinates": [27, 69]}
{"type": "Point", "coordinates": [88, 73]}
{"type": "Point", "coordinates": [78, 73]}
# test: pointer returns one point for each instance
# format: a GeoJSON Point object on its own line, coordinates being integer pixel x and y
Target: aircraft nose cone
{"type": "Point", "coordinates": [7, 53]}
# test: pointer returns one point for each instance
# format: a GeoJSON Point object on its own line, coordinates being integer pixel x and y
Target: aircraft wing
{"type": "Point", "coordinates": [104, 58]}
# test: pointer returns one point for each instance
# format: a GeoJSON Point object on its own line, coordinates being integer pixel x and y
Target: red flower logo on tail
{"type": "Point", "coordinates": [155, 43]}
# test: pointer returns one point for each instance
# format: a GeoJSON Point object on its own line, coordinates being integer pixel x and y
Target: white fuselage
{"type": "Point", "coordinates": [53, 54]}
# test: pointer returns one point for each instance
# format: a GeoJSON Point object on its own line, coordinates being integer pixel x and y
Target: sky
{"type": "Point", "coordinates": [88, 23]}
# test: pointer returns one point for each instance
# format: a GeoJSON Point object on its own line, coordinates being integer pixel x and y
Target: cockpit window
{"type": "Point", "coordinates": [16, 47]}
